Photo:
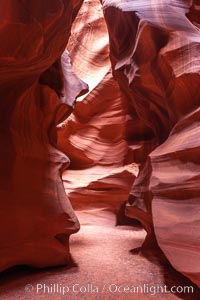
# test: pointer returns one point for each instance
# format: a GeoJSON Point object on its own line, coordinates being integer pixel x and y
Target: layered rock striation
{"type": "Point", "coordinates": [131, 74]}
{"type": "Point", "coordinates": [154, 49]}
{"type": "Point", "coordinates": [36, 216]}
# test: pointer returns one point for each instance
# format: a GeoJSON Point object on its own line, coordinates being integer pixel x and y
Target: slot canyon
{"type": "Point", "coordinates": [100, 149]}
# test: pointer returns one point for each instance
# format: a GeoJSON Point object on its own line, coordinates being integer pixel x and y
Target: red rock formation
{"type": "Point", "coordinates": [94, 135]}
{"type": "Point", "coordinates": [142, 108]}
{"type": "Point", "coordinates": [36, 218]}
{"type": "Point", "coordinates": [175, 186]}
{"type": "Point", "coordinates": [155, 58]}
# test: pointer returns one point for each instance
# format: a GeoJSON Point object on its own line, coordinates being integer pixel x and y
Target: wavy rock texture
{"type": "Point", "coordinates": [134, 129]}
{"type": "Point", "coordinates": [94, 135]}
{"type": "Point", "coordinates": [36, 217]}
{"type": "Point", "coordinates": [155, 58]}
{"type": "Point", "coordinates": [175, 186]}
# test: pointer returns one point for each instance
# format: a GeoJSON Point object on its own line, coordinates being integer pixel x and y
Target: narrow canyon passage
{"type": "Point", "coordinates": [101, 264]}
{"type": "Point", "coordinates": [99, 114]}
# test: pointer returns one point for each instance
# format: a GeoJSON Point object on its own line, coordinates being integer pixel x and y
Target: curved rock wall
{"type": "Point", "coordinates": [134, 132]}
{"type": "Point", "coordinates": [36, 217]}
{"type": "Point", "coordinates": [100, 174]}
{"type": "Point", "coordinates": [155, 58]}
